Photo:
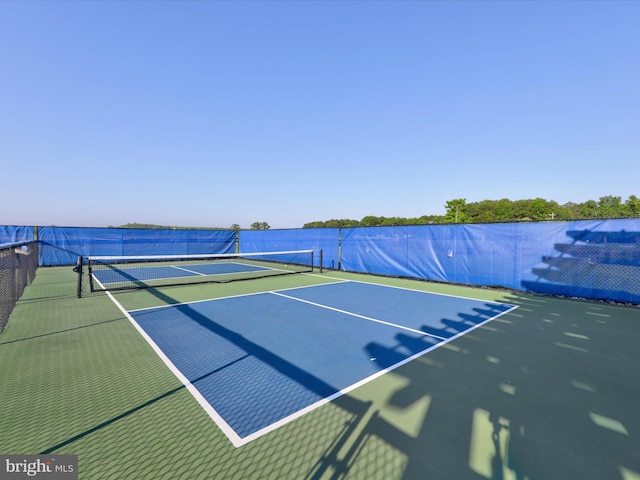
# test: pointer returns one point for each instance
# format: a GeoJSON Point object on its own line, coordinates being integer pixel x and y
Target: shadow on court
{"type": "Point", "coordinates": [546, 392]}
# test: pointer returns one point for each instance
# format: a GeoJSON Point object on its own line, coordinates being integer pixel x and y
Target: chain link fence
{"type": "Point", "coordinates": [18, 265]}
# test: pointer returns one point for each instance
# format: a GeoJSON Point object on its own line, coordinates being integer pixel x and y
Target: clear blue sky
{"type": "Point", "coordinates": [214, 113]}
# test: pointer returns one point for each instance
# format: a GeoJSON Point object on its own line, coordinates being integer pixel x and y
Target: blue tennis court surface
{"type": "Point", "coordinates": [261, 360]}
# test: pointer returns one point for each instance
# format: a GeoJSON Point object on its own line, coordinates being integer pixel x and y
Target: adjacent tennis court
{"type": "Point", "coordinates": [131, 272]}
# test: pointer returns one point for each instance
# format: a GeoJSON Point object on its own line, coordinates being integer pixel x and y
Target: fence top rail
{"type": "Point", "coordinates": [17, 244]}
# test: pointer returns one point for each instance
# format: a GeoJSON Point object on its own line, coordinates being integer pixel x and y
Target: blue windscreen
{"type": "Point", "coordinates": [325, 239]}
{"type": "Point", "coordinates": [63, 245]}
{"type": "Point", "coordinates": [15, 234]}
{"type": "Point", "coordinates": [592, 259]}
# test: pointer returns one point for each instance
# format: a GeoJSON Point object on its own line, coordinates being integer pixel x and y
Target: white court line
{"type": "Point", "coordinates": [359, 316]}
{"type": "Point", "coordinates": [409, 289]}
{"type": "Point", "coordinates": [234, 296]}
{"type": "Point", "coordinates": [100, 284]}
{"type": "Point", "coordinates": [184, 270]}
{"type": "Point", "coordinates": [233, 437]}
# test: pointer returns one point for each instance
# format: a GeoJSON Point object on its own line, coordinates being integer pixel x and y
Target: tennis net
{"type": "Point", "coordinates": [18, 264]}
{"type": "Point", "coordinates": [128, 272]}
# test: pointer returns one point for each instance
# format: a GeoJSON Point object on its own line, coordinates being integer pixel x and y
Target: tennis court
{"type": "Point", "coordinates": [257, 361]}
{"type": "Point", "coordinates": [321, 376]}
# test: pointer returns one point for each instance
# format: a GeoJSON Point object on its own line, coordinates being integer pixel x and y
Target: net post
{"type": "Point", "coordinates": [89, 274]}
{"type": "Point", "coordinates": [320, 260]}
{"type": "Point", "coordinates": [78, 270]}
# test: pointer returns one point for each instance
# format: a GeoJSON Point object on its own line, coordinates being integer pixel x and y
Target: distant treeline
{"type": "Point", "coordinates": [459, 211]}
{"type": "Point", "coordinates": [163, 227]}
{"type": "Point", "coordinates": [505, 210]}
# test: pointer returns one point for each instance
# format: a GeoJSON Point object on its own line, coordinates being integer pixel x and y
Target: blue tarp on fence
{"type": "Point", "coordinates": [325, 239]}
{"type": "Point", "coordinates": [63, 245]}
{"type": "Point", "coordinates": [590, 259]}
{"type": "Point", "coordinates": [489, 255]}
{"type": "Point", "coordinates": [15, 234]}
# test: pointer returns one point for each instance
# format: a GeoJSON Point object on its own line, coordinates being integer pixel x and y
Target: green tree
{"type": "Point", "coordinates": [570, 211]}
{"type": "Point", "coordinates": [316, 224]}
{"type": "Point", "coordinates": [371, 221]}
{"type": "Point", "coordinates": [390, 221]}
{"type": "Point", "coordinates": [631, 207]}
{"type": "Point", "coordinates": [588, 209]}
{"type": "Point", "coordinates": [610, 206]}
{"type": "Point", "coordinates": [260, 226]}
{"type": "Point", "coordinates": [333, 223]}
{"type": "Point", "coordinates": [480, 211]}
{"type": "Point", "coordinates": [521, 210]}
{"type": "Point", "coordinates": [429, 219]}
{"type": "Point", "coordinates": [553, 210]}
{"type": "Point", "coordinates": [504, 210]}
{"type": "Point", "coordinates": [538, 209]}
{"type": "Point", "coordinates": [456, 211]}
